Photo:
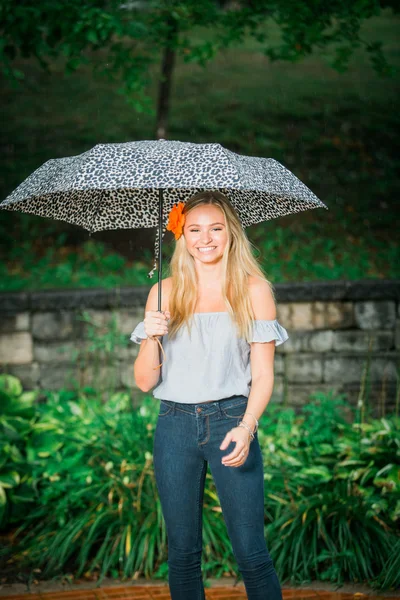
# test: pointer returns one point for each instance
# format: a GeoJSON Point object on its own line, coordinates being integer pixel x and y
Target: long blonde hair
{"type": "Point", "coordinates": [238, 263]}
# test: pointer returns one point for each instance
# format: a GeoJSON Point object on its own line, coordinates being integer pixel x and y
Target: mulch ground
{"type": "Point", "coordinates": [161, 592]}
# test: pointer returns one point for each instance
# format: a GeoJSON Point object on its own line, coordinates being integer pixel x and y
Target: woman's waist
{"type": "Point", "coordinates": [208, 406]}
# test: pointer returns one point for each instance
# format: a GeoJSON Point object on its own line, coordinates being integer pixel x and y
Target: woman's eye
{"type": "Point", "coordinates": [214, 228]}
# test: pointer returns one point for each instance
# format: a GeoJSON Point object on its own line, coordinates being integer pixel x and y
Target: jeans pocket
{"type": "Point", "coordinates": [236, 411]}
{"type": "Point", "coordinates": [164, 408]}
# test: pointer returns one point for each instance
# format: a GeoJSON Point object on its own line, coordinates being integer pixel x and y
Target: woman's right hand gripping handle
{"type": "Point", "coordinates": [146, 371]}
{"type": "Point", "coordinates": [156, 322]}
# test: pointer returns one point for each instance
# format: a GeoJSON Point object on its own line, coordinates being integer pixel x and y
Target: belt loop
{"type": "Point", "coordinates": [219, 409]}
{"type": "Point", "coordinates": [173, 408]}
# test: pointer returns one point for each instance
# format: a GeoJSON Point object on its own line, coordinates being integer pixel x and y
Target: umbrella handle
{"type": "Point", "coordinates": [159, 239]}
{"type": "Point", "coordinates": [160, 236]}
{"type": "Point", "coordinates": [162, 350]}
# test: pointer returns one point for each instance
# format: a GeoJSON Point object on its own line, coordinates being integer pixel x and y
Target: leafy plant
{"type": "Point", "coordinates": [332, 499]}
{"type": "Point", "coordinates": [332, 494]}
{"type": "Point", "coordinates": [16, 419]}
{"type": "Point", "coordinates": [137, 37]}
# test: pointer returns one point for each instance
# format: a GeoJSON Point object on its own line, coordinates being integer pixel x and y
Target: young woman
{"type": "Point", "coordinates": [219, 331]}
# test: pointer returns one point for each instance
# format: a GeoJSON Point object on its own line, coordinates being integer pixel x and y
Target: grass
{"type": "Point", "coordinates": [337, 132]}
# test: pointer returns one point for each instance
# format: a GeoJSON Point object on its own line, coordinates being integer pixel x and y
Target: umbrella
{"type": "Point", "coordinates": [136, 184]}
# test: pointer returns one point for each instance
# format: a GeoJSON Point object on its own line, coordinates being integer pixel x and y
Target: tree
{"type": "Point", "coordinates": [137, 35]}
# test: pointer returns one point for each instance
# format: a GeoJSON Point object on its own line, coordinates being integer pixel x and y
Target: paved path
{"type": "Point", "coordinates": [160, 592]}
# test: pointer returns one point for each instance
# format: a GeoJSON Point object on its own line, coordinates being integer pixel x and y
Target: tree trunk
{"type": "Point", "coordinates": [164, 89]}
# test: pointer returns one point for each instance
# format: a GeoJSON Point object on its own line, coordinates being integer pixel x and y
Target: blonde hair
{"type": "Point", "coordinates": [238, 263]}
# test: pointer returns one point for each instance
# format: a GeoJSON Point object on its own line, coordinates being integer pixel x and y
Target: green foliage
{"type": "Point", "coordinates": [338, 133]}
{"type": "Point", "coordinates": [16, 421]}
{"type": "Point", "coordinates": [73, 30]}
{"type": "Point", "coordinates": [134, 38]}
{"type": "Point", "coordinates": [332, 494]}
{"type": "Point", "coordinates": [92, 483]}
{"type": "Point", "coordinates": [90, 265]}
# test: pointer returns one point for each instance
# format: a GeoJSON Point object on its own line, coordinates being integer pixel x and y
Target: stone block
{"type": "Point", "coordinates": [127, 352]}
{"type": "Point", "coordinates": [54, 352]}
{"type": "Point", "coordinates": [102, 320]}
{"type": "Point", "coordinates": [397, 334]}
{"type": "Point", "coordinates": [15, 322]}
{"type": "Point", "coordinates": [94, 323]}
{"type": "Point", "coordinates": [350, 368]}
{"type": "Point", "coordinates": [318, 341]}
{"type": "Point", "coordinates": [304, 368]}
{"type": "Point", "coordinates": [127, 376]}
{"type": "Point", "coordinates": [28, 374]}
{"type": "Point", "coordinates": [16, 348]}
{"type": "Point", "coordinates": [283, 313]}
{"type": "Point", "coordinates": [343, 369]}
{"type": "Point", "coordinates": [385, 367]}
{"type": "Point", "coordinates": [14, 302]}
{"type": "Point", "coordinates": [102, 376]}
{"type": "Point", "coordinates": [333, 315]}
{"type": "Point", "coordinates": [300, 395]}
{"type": "Point", "coordinates": [57, 376]}
{"type": "Point", "coordinates": [358, 341]}
{"type": "Point", "coordinates": [301, 316]}
{"type": "Point", "coordinates": [79, 325]}
{"type": "Point", "coordinates": [279, 365]}
{"type": "Point", "coordinates": [278, 392]}
{"type": "Point", "coordinates": [379, 401]}
{"type": "Point", "coordinates": [297, 394]}
{"type": "Point", "coordinates": [307, 341]}
{"type": "Point", "coordinates": [53, 325]}
{"type": "Point", "coordinates": [293, 344]}
{"type": "Point", "coordinates": [378, 314]}
{"type": "Point", "coordinates": [319, 314]}
{"type": "Point", "coordinates": [128, 319]}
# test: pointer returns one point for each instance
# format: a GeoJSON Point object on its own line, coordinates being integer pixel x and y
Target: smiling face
{"type": "Point", "coordinates": [205, 233]}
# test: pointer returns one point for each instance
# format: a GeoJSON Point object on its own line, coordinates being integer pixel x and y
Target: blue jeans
{"type": "Point", "coordinates": [186, 439]}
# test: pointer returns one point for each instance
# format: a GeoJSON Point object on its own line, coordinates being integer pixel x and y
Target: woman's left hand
{"type": "Point", "coordinates": [241, 436]}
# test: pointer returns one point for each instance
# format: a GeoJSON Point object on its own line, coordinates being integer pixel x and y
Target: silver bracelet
{"type": "Point", "coordinates": [249, 413]}
{"type": "Point", "coordinates": [243, 424]}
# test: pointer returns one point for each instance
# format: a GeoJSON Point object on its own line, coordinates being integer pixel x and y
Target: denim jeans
{"type": "Point", "coordinates": [186, 439]}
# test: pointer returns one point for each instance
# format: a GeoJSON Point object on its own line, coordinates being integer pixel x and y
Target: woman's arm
{"type": "Point", "coordinates": [261, 354]}
{"type": "Point", "coordinates": [146, 376]}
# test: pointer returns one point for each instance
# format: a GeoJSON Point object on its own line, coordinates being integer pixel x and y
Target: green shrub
{"type": "Point", "coordinates": [17, 414]}
{"type": "Point", "coordinates": [91, 479]}
{"type": "Point", "coordinates": [332, 500]}
{"type": "Point", "coordinates": [332, 493]}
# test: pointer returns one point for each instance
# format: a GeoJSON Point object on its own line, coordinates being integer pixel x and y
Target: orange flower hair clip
{"type": "Point", "coordinates": [176, 220]}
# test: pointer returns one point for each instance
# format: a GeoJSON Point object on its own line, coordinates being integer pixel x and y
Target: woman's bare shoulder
{"type": "Point", "coordinates": [253, 280]}
{"type": "Point", "coordinates": [262, 298]}
{"type": "Point", "coordinates": [256, 283]}
{"type": "Point", "coordinates": [166, 286]}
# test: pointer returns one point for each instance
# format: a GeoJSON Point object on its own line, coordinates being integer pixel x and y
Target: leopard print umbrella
{"type": "Point", "coordinates": [116, 186]}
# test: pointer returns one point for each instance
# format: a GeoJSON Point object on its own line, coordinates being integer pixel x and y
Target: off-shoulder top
{"type": "Point", "coordinates": [213, 363]}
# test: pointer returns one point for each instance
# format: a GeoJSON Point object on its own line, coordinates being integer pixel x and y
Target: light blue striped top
{"type": "Point", "coordinates": [214, 363]}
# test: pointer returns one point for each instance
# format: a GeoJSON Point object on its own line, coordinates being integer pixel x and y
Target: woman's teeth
{"type": "Point", "coordinates": [207, 249]}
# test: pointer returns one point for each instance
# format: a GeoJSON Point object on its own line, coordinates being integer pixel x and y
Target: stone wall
{"type": "Point", "coordinates": [54, 339]}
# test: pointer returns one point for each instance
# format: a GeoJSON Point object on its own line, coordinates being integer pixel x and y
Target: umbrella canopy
{"type": "Point", "coordinates": [135, 184]}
